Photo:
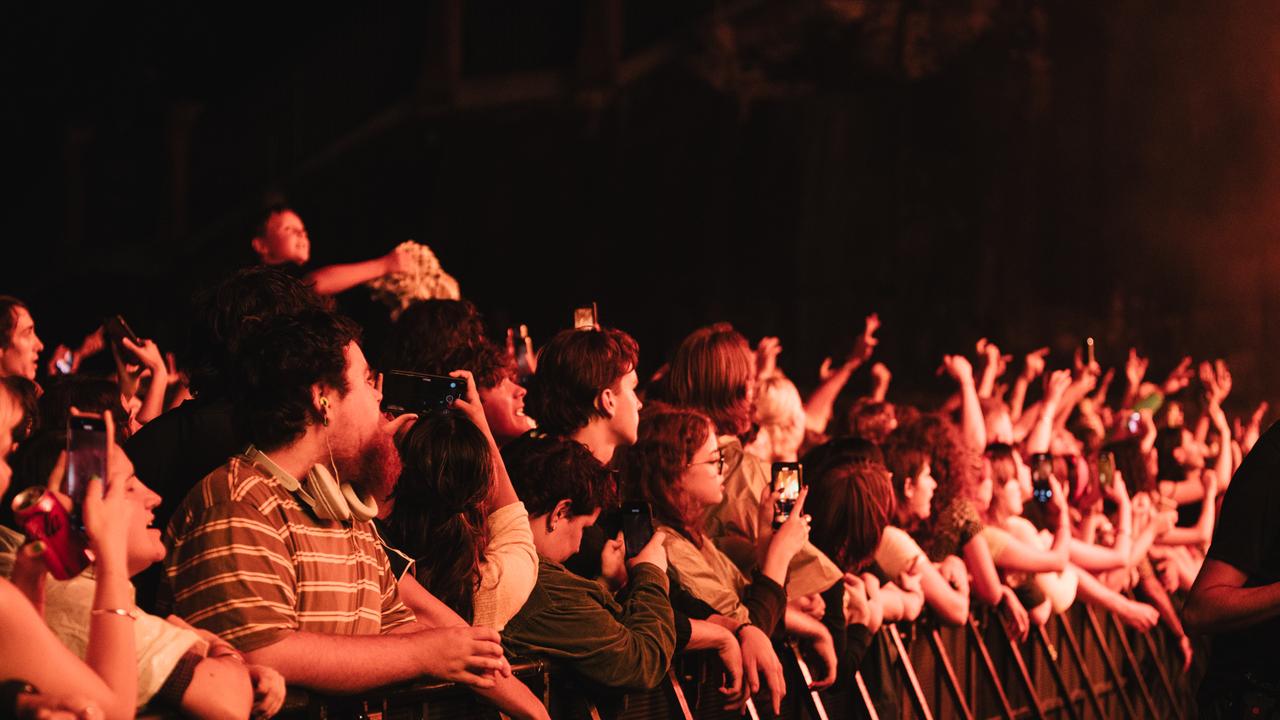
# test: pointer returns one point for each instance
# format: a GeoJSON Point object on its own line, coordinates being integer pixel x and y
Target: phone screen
{"type": "Point", "coordinates": [1106, 468]}
{"type": "Point", "coordinates": [788, 479]}
{"type": "Point", "coordinates": [1090, 357]}
{"type": "Point", "coordinates": [584, 318]}
{"type": "Point", "coordinates": [1041, 469]}
{"type": "Point", "coordinates": [410, 392]}
{"type": "Point", "coordinates": [86, 457]}
{"type": "Point", "coordinates": [637, 526]}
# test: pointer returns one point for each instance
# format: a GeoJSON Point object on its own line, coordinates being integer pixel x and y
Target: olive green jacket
{"type": "Point", "coordinates": [578, 622]}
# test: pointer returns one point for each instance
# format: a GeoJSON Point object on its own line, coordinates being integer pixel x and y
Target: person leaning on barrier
{"type": "Point", "coordinates": [623, 642]}
{"type": "Point", "coordinates": [273, 555]}
{"type": "Point", "coordinates": [675, 466]}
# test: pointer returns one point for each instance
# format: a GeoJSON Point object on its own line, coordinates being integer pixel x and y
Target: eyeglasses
{"type": "Point", "coordinates": [718, 461]}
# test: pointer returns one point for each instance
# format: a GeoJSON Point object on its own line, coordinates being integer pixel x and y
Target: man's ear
{"type": "Point", "coordinates": [319, 402]}
{"type": "Point", "coordinates": [260, 247]}
{"type": "Point", "coordinates": [607, 402]}
{"type": "Point", "coordinates": [562, 510]}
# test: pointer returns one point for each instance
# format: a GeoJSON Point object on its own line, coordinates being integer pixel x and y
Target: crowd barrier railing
{"type": "Point", "coordinates": [1082, 664]}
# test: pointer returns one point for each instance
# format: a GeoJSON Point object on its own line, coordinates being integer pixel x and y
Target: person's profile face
{"type": "Point", "coordinates": [22, 355]}
{"type": "Point", "coordinates": [626, 411]}
{"type": "Point", "coordinates": [286, 240]}
{"type": "Point", "coordinates": [504, 410]}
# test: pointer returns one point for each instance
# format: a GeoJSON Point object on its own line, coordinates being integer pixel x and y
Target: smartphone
{"type": "Point", "coordinates": [586, 318]}
{"type": "Point", "coordinates": [65, 363]}
{"type": "Point", "coordinates": [1041, 470]}
{"type": "Point", "coordinates": [117, 329]}
{"type": "Point", "coordinates": [1106, 468]}
{"type": "Point", "coordinates": [522, 343]}
{"type": "Point", "coordinates": [86, 458]}
{"type": "Point", "coordinates": [637, 526]}
{"type": "Point", "coordinates": [411, 392]}
{"type": "Point", "coordinates": [788, 479]}
{"type": "Point", "coordinates": [1089, 356]}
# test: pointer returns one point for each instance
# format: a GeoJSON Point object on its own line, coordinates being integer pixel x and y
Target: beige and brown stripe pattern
{"type": "Point", "coordinates": [250, 563]}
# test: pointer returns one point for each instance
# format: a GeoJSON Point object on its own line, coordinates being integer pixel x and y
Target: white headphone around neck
{"type": "Point", "coordinates": [330, 498]}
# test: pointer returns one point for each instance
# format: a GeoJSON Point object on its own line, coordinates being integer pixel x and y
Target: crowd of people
{"type": "Point", "coordinates": [282, 529]}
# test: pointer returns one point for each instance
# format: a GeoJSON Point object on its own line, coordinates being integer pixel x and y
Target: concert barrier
{"type": "Point", "coordinates": [1081, 664]}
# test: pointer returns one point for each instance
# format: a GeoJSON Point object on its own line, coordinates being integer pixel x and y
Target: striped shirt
{"type": "Point", "coordinates": [251, 563]}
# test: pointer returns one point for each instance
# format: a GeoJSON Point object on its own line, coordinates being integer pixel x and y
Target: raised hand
{"type": "Point", "coordinates": [1056, 387]}
{"type": "Point", "coordinates": [866, 343]}
{"type": "Point", "coordinates": [462, 654]}
{"type": "Point", "coordinates": [1135, 368]}
{"type": "Point", "coordinates": [469, 403]}
{"type": "Point", "coordinates": [1179, 377]}
{"type": "Point", "coordinates": [398, 261]}
{"type": "Point", "coordinates": [958, 367]}
{"type": "Point", "coordinates": [880, 374]}
{"type": "Point", "coordinates": [1033, 363]}
{"type": "Point", "coordinates": [767, 356]}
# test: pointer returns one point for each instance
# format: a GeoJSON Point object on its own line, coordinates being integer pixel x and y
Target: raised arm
{"type": "Point", "coordinates": [817, 408]}
{"type": "Point", "coordinates": [334, 279]}
{"type": "Point", "coordinates": [1041, 435]}
{"type": "Point", "coordinates": [973, 426]}
{"type": "Point", "coordinates": [1033, 365]}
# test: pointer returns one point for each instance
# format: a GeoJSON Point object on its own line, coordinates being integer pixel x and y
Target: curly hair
{"type": "Point", "coordinates": [851, 503]}
{"type": "Point", "coordinates": [955, 466]}
{"type": "Point", "coordinates": [438, 516]}
{"type": "Point", "coordinates": [871, 420]}
{"type": "Point", "coordinates": [546, 469]}
{"type": "Point", "coordinates": [573, 369]}
{"type": "Point", "coordinates": [712, 370]}
{"type": "Point", "coordinates": [439, 336]}
{"type": "Point", "coordinates": [227, 312]}
{"type": "Point", "coordinates": [651, 469]}
{"type": "Point", "coordinates": [279, 361]}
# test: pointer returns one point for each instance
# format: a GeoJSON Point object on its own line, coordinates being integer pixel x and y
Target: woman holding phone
{"type": "Point", "coordinates": [677, 467]}
{"type": "Point", "coordinates": [54, 682]}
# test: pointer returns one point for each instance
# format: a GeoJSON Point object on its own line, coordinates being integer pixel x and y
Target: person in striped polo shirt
{"type": "Point", "coordinates": [298, 583]}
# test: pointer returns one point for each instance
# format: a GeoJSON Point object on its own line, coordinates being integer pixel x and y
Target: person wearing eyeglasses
{"type": "Point", "coordinates": [677, 466]}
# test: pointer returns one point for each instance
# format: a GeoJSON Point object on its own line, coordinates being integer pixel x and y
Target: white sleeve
{"type": "Point", "coordinates": [510, 567]}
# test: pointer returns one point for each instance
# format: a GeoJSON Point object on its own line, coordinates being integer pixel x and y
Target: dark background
{"type": "Point", "coordinates": [1028, 171]}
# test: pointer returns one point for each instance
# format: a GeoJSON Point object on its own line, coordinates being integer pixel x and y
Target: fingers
{"type": "Point", "coordinates": [777, 686]}
{"type": "Point", "coordinates": [59, 472]}
{"type": "Point", "coordinates": [398, 427]}
{"type": "Point", "coordinates": [472, 395]}
{"type": "Point", "coordinates": [797, 510]}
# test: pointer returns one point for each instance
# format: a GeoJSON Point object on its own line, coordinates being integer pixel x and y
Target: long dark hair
{"type": "Point", "coordinates": [439, 515]}
{"type": "Point", "coordinates": [668, 439]}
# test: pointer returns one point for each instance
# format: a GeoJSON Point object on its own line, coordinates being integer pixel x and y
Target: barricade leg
{"type": "Point", "coordinates": [1052, 655]}
{"type": "Point", "coordinates": [981, 647]}
{"type": "Point", "coordinates": [909, 671]}
{"type": "Point", "coordinates": [1147, 699]}
{"type": "Point", "coordinates": [1027, 682]}
{"type": "Point", "coordinates": [1073, 647]}
{"type": "Point", "coordinates": [949, 672]}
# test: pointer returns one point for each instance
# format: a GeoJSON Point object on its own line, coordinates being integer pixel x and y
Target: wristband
{"type": "Point", "coordinates": [737, 633]}
{"type": "Point", "coordinates": [131, 614]}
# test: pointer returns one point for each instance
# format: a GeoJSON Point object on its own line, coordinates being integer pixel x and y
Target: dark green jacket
{"type": "Point", "coordinates": [578, 622]}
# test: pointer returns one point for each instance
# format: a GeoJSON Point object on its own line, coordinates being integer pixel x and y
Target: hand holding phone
{"type": "Point", "coordinates": [637, 526]}
{"type": "Point", "coordinates": [405, 392]}
{"type": "Point", "coordinates": [1041, 471]}
{"type": "Point", "coordinates": [1106, 468]}
{"type": "Point", "coordinates": [787, 482]}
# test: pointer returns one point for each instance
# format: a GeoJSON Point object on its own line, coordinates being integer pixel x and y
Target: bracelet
{"type": "Point", "coordinates": [131, 614]}
{"type": "Point", "coordinates": [737, 633]}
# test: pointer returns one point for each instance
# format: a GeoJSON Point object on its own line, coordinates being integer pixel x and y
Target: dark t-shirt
{"type": "Point", "coordinates": [1248, 538]}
